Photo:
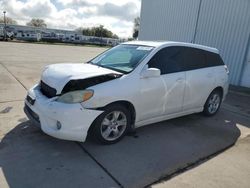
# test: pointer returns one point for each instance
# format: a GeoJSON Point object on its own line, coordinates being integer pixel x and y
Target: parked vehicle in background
{"type": "Point", "coordinates": [1, 33]}
{"type": "Point", "coordinates": [131, 85]}
{"type": "Point", "coordinates": [9, 34]}
{"type": "Point", "coordinates": [32, 34]}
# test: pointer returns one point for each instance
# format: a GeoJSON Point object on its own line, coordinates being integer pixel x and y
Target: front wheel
{"type": "Point", "coordinates": [112, 125]}
{"type": "Point", "coordinates": [213, 103]}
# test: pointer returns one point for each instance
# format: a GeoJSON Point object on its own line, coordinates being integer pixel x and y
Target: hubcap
{"type": "Point", "coordinates": [113, 125]}
{"type": "Point", "coordinates": [213, 103]}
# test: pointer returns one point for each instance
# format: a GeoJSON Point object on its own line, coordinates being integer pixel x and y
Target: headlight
{"type": "Point", "coordinates": [76, 96]}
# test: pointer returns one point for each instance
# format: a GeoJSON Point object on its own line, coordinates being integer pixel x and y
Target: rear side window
{"type": "Point", "coordinates": [213, 59]}
{"type": "Point", "coordinates": [192, 58]}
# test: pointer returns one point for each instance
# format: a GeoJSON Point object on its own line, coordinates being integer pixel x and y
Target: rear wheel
{"type": "Point", "coordinates": [213, 103]}
{"type": "Point", "coordinates": [112, 125]}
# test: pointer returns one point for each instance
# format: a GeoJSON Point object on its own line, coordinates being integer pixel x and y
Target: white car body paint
{"type": "Point", "coordinates": [154, 99]}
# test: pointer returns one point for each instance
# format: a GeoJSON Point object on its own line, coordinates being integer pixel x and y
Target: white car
{"type": "Point", "coordinates": [131, 85]}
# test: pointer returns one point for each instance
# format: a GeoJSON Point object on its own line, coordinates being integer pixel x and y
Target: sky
{"type": "Point", "coordinates": [115, 15]}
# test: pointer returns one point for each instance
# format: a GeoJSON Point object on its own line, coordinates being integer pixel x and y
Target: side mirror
{"type": "Point", "coordinates": [150, 73]}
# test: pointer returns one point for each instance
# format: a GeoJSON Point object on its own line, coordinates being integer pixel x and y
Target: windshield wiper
{"type": "Point", "coordinates": [89, 62]}
{"type": "Point", "coordinates": [107, 67]}
{"type": "Point", "coordinates": [114, 69]}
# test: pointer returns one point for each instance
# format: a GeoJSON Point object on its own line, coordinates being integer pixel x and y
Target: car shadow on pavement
{"type": "Point", "coordinates": [29, 158]}
{"type": "Point", "coordinates": [162, 149]}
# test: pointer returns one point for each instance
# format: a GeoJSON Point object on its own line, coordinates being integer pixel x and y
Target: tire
{"type": "Point", "coordinates": [112, 125]}
{"type": "Point", "coordinates": [213, 103]}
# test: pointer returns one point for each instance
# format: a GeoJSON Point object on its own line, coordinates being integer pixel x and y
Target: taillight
{"type": "Point", "coordinates": [226, 68]}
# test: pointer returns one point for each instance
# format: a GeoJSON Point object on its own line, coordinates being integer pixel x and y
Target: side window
{"type": "Point", "coordinates": [180, 58]}
{"type": "Point", "coordinates": [167, 60]}
{"type": "Point", "coordinates": [192, 58]}
{"type": "Point", "coordinates": [213, 59]}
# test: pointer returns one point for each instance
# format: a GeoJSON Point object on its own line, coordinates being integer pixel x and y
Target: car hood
{"type": "Point", "coordinates": [58, 75]}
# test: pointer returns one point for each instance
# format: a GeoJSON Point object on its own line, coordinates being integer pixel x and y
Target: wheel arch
{"type": "Point", "coordinates": [220, 89]}
{"type": "Point", "coordinates": [124, 103]}
{"type": "Point", "coordinates": [127, 104]}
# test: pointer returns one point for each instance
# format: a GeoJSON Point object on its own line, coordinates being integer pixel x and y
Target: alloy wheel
{"type": "Point", "coordinates": [214, 103]}
{"type": "Point", "coordinates": [113, 125]}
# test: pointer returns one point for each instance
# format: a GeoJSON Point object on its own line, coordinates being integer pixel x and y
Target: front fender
{"type": "Point", "coordinates": [116, 90]}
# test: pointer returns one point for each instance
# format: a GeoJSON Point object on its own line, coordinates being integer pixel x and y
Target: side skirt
{"type": "Point", "coordinates": [166, 117]}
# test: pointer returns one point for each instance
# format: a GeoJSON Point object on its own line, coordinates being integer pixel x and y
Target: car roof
{"type": "Point", "coordinates": [158, 44]}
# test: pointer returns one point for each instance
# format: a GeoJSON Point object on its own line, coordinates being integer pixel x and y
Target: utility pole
{"type": "Point", "coordinates": [4, 12]}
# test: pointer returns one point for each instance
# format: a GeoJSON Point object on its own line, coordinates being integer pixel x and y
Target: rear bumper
{"type": "Point", "coordinates": [225, 91]}
{"type": "Point", "coordinates": [48, 113]}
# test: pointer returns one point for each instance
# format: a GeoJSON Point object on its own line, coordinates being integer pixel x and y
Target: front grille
{"type": "Point", "coordinates": [30, 100]}
{"type": "Point", "coordinates": [32, 114]}
{"type": "Point", "coordinates": [47, 90]}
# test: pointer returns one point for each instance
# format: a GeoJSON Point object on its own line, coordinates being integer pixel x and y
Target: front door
{"type": "Point", "coordinates": [174, 92]}
{"type": "Point", "coordinates": [173, 79]}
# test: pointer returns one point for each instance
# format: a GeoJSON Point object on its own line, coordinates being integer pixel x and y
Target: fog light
{"type": "Point", "coordinates": [58, 125]}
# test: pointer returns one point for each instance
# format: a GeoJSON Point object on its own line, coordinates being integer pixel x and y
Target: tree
{"type": "Point", "coordinates": [99, 31]}
{"type": "Point", "coordinates": [115, 36]}
{"type": "Point", "coordinates": [37, 23]}
{"type": "Point", "coordinates": [8, 20]}
{"type": "Point", "coordinates": [136, 27]}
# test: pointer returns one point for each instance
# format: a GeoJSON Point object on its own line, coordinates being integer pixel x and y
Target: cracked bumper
{"type": "Point", "coordinates": [46, 113]}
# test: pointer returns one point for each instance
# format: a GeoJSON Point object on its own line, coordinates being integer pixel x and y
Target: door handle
{"type": "Point", "coordinates": [209, 75]}
{"type": "Point", "coordinates": [179, 79]}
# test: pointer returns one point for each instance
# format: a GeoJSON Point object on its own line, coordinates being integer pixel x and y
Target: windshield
{"type": "Point", "coordinates": [122, 58]}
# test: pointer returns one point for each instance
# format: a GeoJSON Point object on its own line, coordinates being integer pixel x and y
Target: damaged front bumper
{"type": "Point", "coordinates": [60, 120]}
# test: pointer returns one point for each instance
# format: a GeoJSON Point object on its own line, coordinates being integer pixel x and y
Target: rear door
{"type": "Point", "coordinates": [200, 78]}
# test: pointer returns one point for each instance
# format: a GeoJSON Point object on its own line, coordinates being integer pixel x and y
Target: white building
{"type": "Point", "coordinates": [224, 24]}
